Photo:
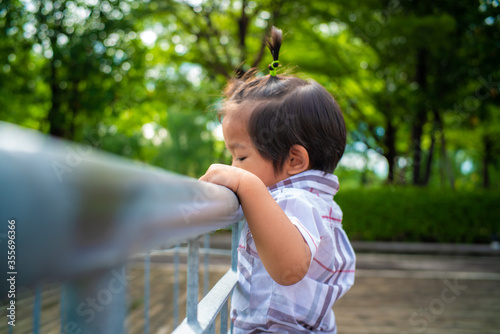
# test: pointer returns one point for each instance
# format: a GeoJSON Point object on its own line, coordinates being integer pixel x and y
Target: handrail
{"type": "Point", "coordinates": [80, 213]}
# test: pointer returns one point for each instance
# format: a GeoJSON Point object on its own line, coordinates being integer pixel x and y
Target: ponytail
{"type": "Point", "coordinates": [274, 45]}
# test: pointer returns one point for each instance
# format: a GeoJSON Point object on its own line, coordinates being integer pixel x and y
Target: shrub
{"type": "Point", "coordinates": [420, 214]}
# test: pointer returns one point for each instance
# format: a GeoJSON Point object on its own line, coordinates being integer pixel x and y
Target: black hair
{"type": "Point", "coordinates": [287, 111]}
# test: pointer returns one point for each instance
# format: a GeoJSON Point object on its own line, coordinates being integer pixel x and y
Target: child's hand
{"type": "Point", "coordinates": [281, 247]}
{"type": "Point", "coordinates": [224, 175]}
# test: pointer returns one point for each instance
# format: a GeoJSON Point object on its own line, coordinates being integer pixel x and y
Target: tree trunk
{"type": "Point", "coordinates": [242, 35]}
{"type": "Point", "coordinates": [390, 143]}
{"type": "Point", "coordinates": [447, 171]}
{"type": "Point", "coordinates": [417, 131]}
{"type": "Point", "coordinates": [420, 116]}
{"type": "Point", "coordinates": [430, 155]}
{"type": "Point", "coordinates": [75, 106]}
{"type": "Point", "coordinates": [438, 126]}
{"type": "Point", "coordinates": [56, 117]}
{"type": "Point", "coordinates": [488, 146]}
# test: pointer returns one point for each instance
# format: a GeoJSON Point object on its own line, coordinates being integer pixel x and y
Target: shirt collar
{"type": "Point", "coordinates": [311, 180]}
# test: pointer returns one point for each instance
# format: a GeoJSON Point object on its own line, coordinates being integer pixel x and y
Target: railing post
{"type": "Point", "coordinates": [97, 304]}
{"type": "Point", "coordinates": [192, 282]}
{"type": "Point", "coordinates": [146, 293]}
{"type": "Point", "coordinates": [223, 317]}
{"type": "Point", "coordinates": [235, 239]}
{"type": "Point", "coordinates": [176, 286]}
{"type": "Point", "coordinates": [63, 308]}
{"type": "Point", "coordinates": [206, 246]}
{"type": "Point", "coordinates": [211, 329]}
{"type": "Point", "coordinates": [37, 308]}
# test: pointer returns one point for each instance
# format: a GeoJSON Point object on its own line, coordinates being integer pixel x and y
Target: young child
{"type": "Point", "coordinates": [286, 136]}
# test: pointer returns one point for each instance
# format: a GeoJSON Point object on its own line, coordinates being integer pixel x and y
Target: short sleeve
{"type": "Point", "coordinates": [304, 215]}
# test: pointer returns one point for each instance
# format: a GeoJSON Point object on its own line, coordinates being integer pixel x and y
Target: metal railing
{"type": "Point", "coordinates": [79, 215]}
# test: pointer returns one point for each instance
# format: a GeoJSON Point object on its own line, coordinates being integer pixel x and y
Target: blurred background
{"type": "Point", "coordinates": [418, 82]}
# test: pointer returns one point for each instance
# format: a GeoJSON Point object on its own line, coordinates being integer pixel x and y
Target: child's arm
{"type": "Point", "coordinates": [281, 247]}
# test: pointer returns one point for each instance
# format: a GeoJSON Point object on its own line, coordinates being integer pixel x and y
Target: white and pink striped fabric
{"type": "Point", "coordinates": [261, 305]}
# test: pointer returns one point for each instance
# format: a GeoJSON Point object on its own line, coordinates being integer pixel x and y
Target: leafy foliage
{"type": "Point", "coordinates": [420, 215]}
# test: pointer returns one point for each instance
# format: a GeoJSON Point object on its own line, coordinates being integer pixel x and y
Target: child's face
{"type": "Point", "coordinates": [243, 151]}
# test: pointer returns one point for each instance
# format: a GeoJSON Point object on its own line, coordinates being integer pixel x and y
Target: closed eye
{"type": "Point", "coordinates": [241, 159]}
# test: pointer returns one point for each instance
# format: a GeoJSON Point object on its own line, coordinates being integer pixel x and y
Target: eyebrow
{"type": "Point", "coordinates": [236, 146]}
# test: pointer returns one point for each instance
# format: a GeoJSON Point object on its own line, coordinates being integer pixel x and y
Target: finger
{"type": "Point", "coordinates": [205, 176]}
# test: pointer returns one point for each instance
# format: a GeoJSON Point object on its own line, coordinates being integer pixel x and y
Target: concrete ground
{"type": "Point", "coordinates": [413, 293]}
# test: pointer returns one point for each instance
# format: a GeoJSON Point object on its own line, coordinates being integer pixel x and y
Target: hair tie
{"type": "Point", "coordinates": [272, 67]}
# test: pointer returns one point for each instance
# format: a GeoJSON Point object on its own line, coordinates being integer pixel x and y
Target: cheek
{"type": "Point", "coordinates": [249, 167]}
{"type": "Point", "coordinates": [264, 173]}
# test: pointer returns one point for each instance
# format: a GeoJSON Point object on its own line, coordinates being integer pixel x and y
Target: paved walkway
{"type": "Point", "coordinates": [430, 294]}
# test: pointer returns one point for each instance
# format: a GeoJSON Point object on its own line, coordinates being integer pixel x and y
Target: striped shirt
{"type": "Point", "coordinates": [261, 305]}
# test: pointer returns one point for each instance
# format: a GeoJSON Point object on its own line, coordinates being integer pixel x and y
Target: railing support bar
{"type": "Point", "coordinates": [146, 293]}
{"type": "Point", "coordinates": [63, 308]}
{"type": "Point", "coordinates": [192, 282]}
{"type": "Point", "coordinates": [97, 304]}
{"type": "Point", "coordinates": [37, 308]}
{"type": "Point", "coordinates": [235, 239]}
{"type": "Point", "coordinates": [206, 245]}
{"type": "Point", "coordinates": [176, 286]}
{"type": "Point", "coordinates": [223, 317]}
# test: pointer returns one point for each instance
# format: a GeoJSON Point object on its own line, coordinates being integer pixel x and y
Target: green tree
{"type": "Point", "coordinates": [425, 54]}
{"type": "Point", "coordinates": [78, 54]}
{"type": "Point", "coordinates": [417, 80]}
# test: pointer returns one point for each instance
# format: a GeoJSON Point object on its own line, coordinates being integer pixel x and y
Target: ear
{"type": "Point", "coordinates": [297, 161]}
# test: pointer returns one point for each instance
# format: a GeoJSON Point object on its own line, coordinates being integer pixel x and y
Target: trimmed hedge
{"type": "Point", "coordinates": [420, 214]}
